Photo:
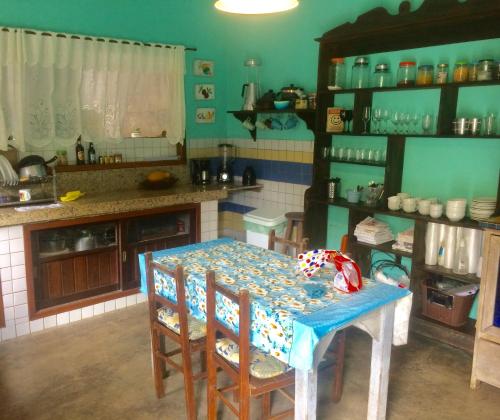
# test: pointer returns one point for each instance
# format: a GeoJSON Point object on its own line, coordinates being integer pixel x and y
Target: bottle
{"type": "Point", "coordinates": [80, 152]}
{"type": "Point", "coordinates": [92, 156]}
{"type": "Point", "coordinates": [336, 74]}
{"type": "Point", "coordinates": [461, 261]}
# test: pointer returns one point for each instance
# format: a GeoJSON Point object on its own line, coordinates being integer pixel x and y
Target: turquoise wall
{"type": "Point", "coordinates": [285, 44]}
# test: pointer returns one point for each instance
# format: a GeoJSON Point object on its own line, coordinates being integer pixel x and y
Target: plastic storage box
{"type": "Point", "coordinates": [444, 307]}
{"type": "Point", "coordinates": [259, 222]}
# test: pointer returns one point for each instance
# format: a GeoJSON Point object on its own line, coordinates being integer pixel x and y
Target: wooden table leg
{"type": "Point", "coordinates": [381, 359]}
{"type": "Point", "coordinates": [306, 384]}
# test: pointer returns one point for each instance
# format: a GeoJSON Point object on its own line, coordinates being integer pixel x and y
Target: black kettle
{"type": "Point", "coordinates": [249, 177]}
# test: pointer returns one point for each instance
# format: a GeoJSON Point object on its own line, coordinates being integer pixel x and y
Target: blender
{"type": "Point", "coordinates": [225, 171]}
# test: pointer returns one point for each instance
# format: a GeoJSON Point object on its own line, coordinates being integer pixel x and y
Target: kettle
{"type": "Point", "coordinates": [249, 177]}
{"type": "Point", "coordinates": [249, 92]}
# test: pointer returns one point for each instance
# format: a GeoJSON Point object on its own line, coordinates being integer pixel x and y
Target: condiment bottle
{"type": "Point", "coordinates": [92, 156]}
{"type": "Point", "coordinates": [461, 72]}
{"type": "Point", "coordinates": [485, 70]}
{"type": "Point", "coordinates": [360, 73]}
{"type": "Point", "coordinates": [442, 74]}
{"type": "Point", "coordinates": [382, 76]}
{"type": "Point", "coordinates": [425, 74]}
{"type": "Point", "coordinates": [80, 152]}
{"type": "Point", "coordinates": [406, 73]}
{"type": "Point", "coordinates": [336, 74]}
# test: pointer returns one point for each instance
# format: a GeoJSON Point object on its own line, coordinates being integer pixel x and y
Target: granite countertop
{"type": "Point", "coordinates": [94, 204]}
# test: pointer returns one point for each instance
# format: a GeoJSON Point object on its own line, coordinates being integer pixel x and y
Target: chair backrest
{"type": "Point", "coordinates": [156, 300]}
{"type": "Point", "coordinates": [216, 329]}
{"type": "Point", "coordinates": [297, 247]}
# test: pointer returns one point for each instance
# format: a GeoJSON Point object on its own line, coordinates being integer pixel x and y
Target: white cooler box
{"type": "Point", "coordinates": [259, 222]}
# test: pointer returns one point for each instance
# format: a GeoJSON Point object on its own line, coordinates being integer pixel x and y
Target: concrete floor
{"type": "Point", "coordinates": [100, 369]}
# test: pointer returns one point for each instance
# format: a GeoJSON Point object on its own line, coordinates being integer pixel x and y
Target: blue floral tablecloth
{"type": "Point", "coordinates": [289, 313]}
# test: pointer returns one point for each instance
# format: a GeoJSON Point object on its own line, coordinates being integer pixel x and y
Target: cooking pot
{"type": "Point", "coordinates": [291, 93]}
{"type": "Point", "coordinates": [33, 166]}
{"type": "Point", "coordinates": [85, 242]}
{"type": "Point", "coordinates": [52, 243]}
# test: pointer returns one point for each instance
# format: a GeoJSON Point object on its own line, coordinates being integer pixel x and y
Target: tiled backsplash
{"type": "Point", "coordinates": [132, 150]}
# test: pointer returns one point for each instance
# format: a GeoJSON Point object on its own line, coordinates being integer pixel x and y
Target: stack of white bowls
{"type": "Point", "coordinates": [455, 209]}
{"type": "Point", "coordinates": [482, 208]}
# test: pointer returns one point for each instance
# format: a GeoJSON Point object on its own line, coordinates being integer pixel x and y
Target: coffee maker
{"type": "Point", "coordinates": [200, 171]}
{"type": "Point", "coordinates": [225, 171]}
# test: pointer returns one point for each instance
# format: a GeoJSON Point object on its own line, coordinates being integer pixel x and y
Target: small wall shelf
{"type": "Point", "coordinates": [357, 162]}
{"type": "Point", "coordinates": [307, 115]}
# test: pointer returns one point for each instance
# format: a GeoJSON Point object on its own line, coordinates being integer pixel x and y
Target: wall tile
{"type": "Point", "coordinates": [121, 303]}
{"type": "Point", "coordinates": [9, 313]}
{"type": "Point", "coordinates": [4, 247]}
{"type": "Point", "coordinates": [18, 272]}
{"type": "Point", "coordinates": [4, 261]}
{"type": "Point", "coordinates": [62, 318]}
{"type": "Point", "coordinates": [20, 298]}
{"type": "Point", "coordinates": [142, 297]}
{"type": "Point", "coordinates": [21, 311]}
{"type": "Point", "coordinates": [131, 300]}
{"type": "Point", "coordinates": [23, 329]}
{"type": "Point", "coordinates": [36, 325]}
{"type": "Point", "coordinates": [99, 308]}
{"type": "Point", "coordinates": [75, 315]}
{"type": "Point", "coordinates": [7, 287]}
{"type": "Point", "coordinates": [8, 333]}
{"type": "Point", "coordinates": [19, 284]}
{"type": "Point", "coordinates": [16, 245]}
{"type": "Point", "coordinates": [5, 274]}
{"type": "Point", "coordinates": [109, 306]}
{"type": "Point", "coordinates": [8, 300]}
{"type": "Point", "coordinates": [4, 233]}
{"type": "Point", "coordinates": [88, 312]}
{"type": "Point", "coordinates": [49, 321]}
{"type": "Point", "coordinates": [17, 258]}
{"type": "Point", "coordinates": [15, 232]}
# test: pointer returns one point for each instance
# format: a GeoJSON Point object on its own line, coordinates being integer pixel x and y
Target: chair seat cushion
{"type": "Point", "coordinates": [262, 365]}
{"type": "Point", "coordinates": [170, 318]}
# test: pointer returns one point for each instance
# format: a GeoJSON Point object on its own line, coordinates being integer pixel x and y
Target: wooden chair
{"type": "Point", "coordinates": [230, 352]}
{"type": "Point", "coordinates": [170, 319]}
{"type": "Point", "coordinates": [288, 247]}
{"type": "Point", "coordinates": [336, 350]}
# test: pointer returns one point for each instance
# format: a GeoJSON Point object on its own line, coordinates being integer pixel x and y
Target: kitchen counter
{"type": "Point", "coordinates": [94, 204]}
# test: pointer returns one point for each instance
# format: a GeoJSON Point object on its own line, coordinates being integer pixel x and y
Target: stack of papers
{"type": "Point", "coordinates": [372, 231]}
{"type": "Point", "coordinates": [404, 241]}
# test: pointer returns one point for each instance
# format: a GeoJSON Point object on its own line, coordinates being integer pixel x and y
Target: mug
{"type": "Point", "coordinates": [436, 210]}
{"type": "Point", "coordinates": [261, 125]}
{"type": "Point", "coordinates": [424, 207]}
{"type": "Point", "coordinates": [291, 122]}
{"type": "Point", "coordinates": [24, 195]}
{"type": "Point", "coordinates": [394, 203]}
{"type": "Point", "coordinates": [409, 205]}
{"type": "Point", "coordinates": [403, 195]}
{"type": "Point", "coordinates": [248, 124]}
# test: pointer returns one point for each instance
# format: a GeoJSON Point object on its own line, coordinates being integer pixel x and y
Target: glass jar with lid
{"type": "Point", "coordinates": [461, 72]}
{"type": "Point", "coordinates": [485, 70]}
{"type": "Point", "coordinates": [425, 74]}
{"type": "Point", "coordinates": [360, 73]}
{"type": "Point", "coordinates": [442, 73]}
{"type": "Point", "coordinates": [473, 69]}
{"type": "Point", "coordinates": [336, 74]}
{"type": "Point", "coordinates": [382, 76]}
{"type": "Point", "coordinates": [406, 73]}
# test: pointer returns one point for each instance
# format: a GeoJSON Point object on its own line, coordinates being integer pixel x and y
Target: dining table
{"type": "Point", "coordinates": [293, 318]}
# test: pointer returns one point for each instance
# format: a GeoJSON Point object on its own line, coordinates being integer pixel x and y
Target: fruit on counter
{"type": "Point", "coordinates": [156, 176]}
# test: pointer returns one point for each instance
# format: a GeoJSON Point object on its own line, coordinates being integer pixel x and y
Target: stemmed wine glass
{"type": "Point", "coordinates": [427, 123]}
{"type": "Point", "coordinates": [348, 118]}
{"type": "Point", "coordinates": [342, 116]}
{"type": "Point", "coordinates": [385, 119]}
{"type": "Point", "coordinates": [377, 118]}
{"type": "Point", "coordinates": [396, 120]}
{"type": "Point", "coordinates": [366, 118]}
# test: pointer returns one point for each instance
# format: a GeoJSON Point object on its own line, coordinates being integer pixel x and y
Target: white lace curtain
{"type": "Point", "coordinates": [54, 88]}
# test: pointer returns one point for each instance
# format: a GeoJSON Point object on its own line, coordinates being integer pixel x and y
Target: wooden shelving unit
{"type": "Point", "coordinates": [374, 32]}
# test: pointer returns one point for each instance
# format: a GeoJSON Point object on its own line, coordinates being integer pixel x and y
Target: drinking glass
{"type": "Point", "coordinates": [366, 118]}
{"type": "Point", "coordinates": [341, 153]}
{"type": "Point", "coordinates": [386, 114]}
{"type": "Point", "coordinates": [414, 121]}
{"type": "Point", "coordinates": [406, 120]}
{"type": "Point", "coordinates": [349, 154]}
{"type": "Point", "coordinates": [371, 155]}
{"type": "Point", "coordinates": [332, 151]}
{"type": "Point", "coordinates": [376, 156]}
{"type": "Point", "coordinates": [364, 154]}
{"type": "Point", "coordinates": [348, 118]}
{"type": "Point", "coordinates": [396, 120]}
{"type": "Point", "coordinates": [489, 126]}
{"type": "Point", "coordinates": [342, 116]}
{"type": "Point", "coordinates": [377, 118]}
{"type": "Point", "coordinates": [358, 154]}
{"type": "Point", "coordinates": [427, 123]}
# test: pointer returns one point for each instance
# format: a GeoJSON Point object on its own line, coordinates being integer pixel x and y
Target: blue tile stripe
{"type": "Point", "coordinates": [271, 170]}
{"type": "Point", "coordinates": [234, 207]}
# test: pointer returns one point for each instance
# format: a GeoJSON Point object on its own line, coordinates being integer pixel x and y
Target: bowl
{"type": "Point", "coordinates": [281, 104]}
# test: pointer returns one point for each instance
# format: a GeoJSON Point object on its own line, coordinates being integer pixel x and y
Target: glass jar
{"type": "Point", "coordinates": [442, 74]}
{"type": "Point", "coordinates": [406, 73]}
{"type": "Point", "coordinates": [425, 74]}
{"type": "Point", "coordinates": [461, 72]}
{"type": "Point", "coordinates": [382, 76]}
{"type": "Point", "coordinates": [336, 74]}
{"type": "Point", "coordinates": [485, 70]}
{"type": "Point", "coordinates": [473, 70]}
{"type": "Point", "coordinates": [360, 73]}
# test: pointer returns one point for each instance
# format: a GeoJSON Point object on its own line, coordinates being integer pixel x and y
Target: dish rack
{"type": "Point", "coordinates": [43, 191]}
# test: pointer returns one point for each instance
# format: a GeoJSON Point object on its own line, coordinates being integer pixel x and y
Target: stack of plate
{"type": "Point", "coordinates": [7, 174]}
{"type": "Point", "coordinates": [482, 208]}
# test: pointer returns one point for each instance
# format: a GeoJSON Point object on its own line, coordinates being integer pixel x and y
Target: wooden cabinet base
{"type": "Point", "coordinates": [71, 264]}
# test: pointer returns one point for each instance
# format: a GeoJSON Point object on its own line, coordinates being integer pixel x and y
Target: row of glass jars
{"type": "Point", "coordinates": [408, 75]}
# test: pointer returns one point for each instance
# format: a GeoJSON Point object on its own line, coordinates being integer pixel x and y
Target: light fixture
{"type": "Point", "coordinates": [255, 7]}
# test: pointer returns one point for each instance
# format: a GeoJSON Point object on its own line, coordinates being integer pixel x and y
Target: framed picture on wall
{"type": "Point", "coordinates": [204, 92]}
{"type": "Point", "coordinates": [203, 68]}
{"type": "Point", "coordinates": [205, 115]}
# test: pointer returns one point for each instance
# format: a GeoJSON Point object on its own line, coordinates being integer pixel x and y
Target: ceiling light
{"type": "Point", "coordinates": [255, 7]}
